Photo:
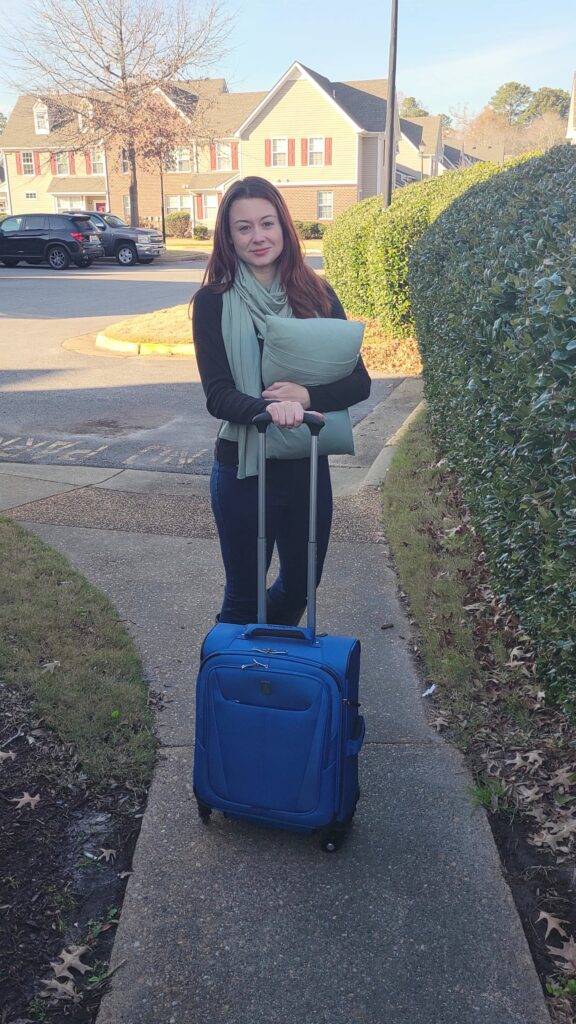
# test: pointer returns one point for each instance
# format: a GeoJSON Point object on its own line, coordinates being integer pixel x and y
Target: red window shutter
{"type": "Point", "coordinates": [19, 163]}
{"type": "Point", "coordinates": [268, 152]}
{"type": "Point", "coordinates": [327, 151]}
{"type": "Point", "coordinates": [291, 152]}
{"type": "Point", "coordinates": [212, 157]}
{"type": "Point", "coordinates": [71, 163]}
{"type": "Point", "coordinates": [304, 152]}
{"type": "Point", "coordinates": [36, 163]}
{"type": "Point", "coordinates": [53, 162]}
{"type": "Point", "coordinates": [234, 156]}
{"type": "Point", "coordinates": [88, 159]}
{"type": "Point", "coordinates": [199, 207]}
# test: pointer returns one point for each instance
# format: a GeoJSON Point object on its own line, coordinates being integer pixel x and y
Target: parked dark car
{"type": "Point", "coordinates": [129, 245]}
{"type": "Point", "coordinates": [54, 238]}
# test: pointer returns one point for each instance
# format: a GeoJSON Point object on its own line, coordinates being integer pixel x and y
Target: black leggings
{"type": "Point", "coordinates": [235, 507]}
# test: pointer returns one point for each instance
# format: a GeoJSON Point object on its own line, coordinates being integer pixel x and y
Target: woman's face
{"type": "Point", "coordinates": [256, 232]}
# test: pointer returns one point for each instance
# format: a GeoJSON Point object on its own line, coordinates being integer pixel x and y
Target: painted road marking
{"type": "Point", "coordinates": [30, 449]}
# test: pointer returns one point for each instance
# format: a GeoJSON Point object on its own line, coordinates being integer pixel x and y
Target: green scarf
{"type": "Point", "coordinates": [247, 304]}
{"type": "Point", "coordinates": [244, 306]}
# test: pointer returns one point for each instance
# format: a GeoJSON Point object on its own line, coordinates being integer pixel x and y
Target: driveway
{"type": "Point", "coordinates": [66, 407]}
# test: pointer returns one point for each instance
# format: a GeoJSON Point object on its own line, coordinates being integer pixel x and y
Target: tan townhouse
{"type": "Point", "coordinates": [320, 142]}
{"type": "Point", "coordinates": [43, 171]}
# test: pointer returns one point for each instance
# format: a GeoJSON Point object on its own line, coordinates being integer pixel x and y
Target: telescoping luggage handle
{"type": "Point", "coordinates": [262, 421]}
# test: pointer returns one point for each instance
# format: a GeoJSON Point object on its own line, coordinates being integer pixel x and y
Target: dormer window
{"type": "Point", "coordinates": [41, 122]}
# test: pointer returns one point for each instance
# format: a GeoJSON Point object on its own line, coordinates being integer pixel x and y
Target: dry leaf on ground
{"type": "Point", "coordinates": [552, 923]}
{"type": "Point", "coordinates": [25, 799]}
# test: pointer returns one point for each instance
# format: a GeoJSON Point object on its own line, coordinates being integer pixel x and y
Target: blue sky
{"type": "Point", "coordinates": [450, 53]}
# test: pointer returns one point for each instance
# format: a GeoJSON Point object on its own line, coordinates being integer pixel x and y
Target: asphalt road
{"type": "Point", "coordinates": [66, 407]}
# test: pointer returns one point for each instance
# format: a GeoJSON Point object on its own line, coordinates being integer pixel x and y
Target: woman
{"type": "Point", "coordinates": [257, 268]}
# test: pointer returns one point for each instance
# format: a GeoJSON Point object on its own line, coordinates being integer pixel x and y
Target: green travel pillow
{"type": "Point", "coordinates": [318, 350]}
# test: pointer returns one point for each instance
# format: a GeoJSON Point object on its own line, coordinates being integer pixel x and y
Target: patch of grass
{"type": "Point", "coordinates": [62, 644]}
{"type": "Point", "coordinates": [489, 701]}
{"type": "Point", "coordinates": [431, 561]}
{"type": "Point", "coordinates": [382, 354]}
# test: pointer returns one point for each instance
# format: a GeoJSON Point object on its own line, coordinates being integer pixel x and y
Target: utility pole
{"type": "Point", "coordinates": [389, 146]}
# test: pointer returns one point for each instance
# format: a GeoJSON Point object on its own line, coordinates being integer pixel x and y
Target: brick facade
{"type": "Point", "coordinates": [302, 200]}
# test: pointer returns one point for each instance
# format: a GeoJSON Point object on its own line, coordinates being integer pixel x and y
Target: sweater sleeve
{"type": "Point", "coordinates": [345, 392]}
{"type": "Point", "coordinates": [223, 399]}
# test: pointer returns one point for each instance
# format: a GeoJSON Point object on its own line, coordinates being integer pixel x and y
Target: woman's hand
{"type": "Point", "coordinates": [287, 414]}
{"type": "Point", "coordinates": [285, 391]}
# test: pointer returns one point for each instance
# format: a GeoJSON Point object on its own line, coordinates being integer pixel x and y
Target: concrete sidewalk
{"type": "Point", "coordinates": [412, 921]}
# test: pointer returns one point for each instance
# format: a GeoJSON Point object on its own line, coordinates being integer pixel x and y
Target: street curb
{"type": "Point", "coordinates": [379, 468]}
{"type": "Point", "coordinates": [144, 348]}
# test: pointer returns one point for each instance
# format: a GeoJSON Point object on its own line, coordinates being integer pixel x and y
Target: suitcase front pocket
{"type": "Point", "coordinates": [266, 738]}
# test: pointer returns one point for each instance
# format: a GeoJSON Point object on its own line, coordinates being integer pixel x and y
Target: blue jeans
{"type": "Point", "coordinates": [235, 508]}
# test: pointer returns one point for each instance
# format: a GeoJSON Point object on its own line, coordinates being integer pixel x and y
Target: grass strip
{"type": "Point", "coordinates": [63, 644]}
{"type": "Point", "coordinates": [382, 354]}
{"type": "Point", "coordinates": [519, 746]}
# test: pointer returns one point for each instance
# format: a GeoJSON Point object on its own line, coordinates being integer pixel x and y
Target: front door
{"type": "Point", "coordinates": [100, 207]}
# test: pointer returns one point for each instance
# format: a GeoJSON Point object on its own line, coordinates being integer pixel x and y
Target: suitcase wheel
{"type": "Point", "coordinates": [204, 811]}
{"type": "Point", "coordinates": [333, 837]}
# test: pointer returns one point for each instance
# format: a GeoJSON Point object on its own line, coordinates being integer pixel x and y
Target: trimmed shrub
{"type": "Point", "coordinates": [178, 224]}
{"type": "Point", "coordinates": [493, 288]}
{"type": "Point", "coordinates": [309, 228]}
{"type": "Point", "coordinates": [345, 254]}
{"type": "Point", "coordinates": [201, 232]}
{"type": "Point", "coordinates": [366, 250]}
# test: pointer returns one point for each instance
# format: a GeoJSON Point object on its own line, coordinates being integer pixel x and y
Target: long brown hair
{"type": "Point", "coordinates": [307, 293]}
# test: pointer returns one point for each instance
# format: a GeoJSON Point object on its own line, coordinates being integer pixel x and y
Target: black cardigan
{"type": "Point", "coordinates": [223, 399]}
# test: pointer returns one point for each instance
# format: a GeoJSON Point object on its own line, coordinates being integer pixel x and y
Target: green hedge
{"type": "Point", "coordinates": [367, 248]}
{"type": "Point", "coordinates": [309, 228]}
{"type": "Point", "coordinates": [178, 224]}
{"type": "Point", "coordinates": [493, 287]}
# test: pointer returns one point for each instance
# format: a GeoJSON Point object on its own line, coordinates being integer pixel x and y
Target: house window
{"type": "Point", "coordinates": [126, 208]}
{"type": "Point", "coordinates": [124, 165]}
{"type": "Point", "coordinates": [41, 123]}
{"type": "Point", "coordinates": [67, 204]}
{"type": "Point", "coordinates": [31, 195]}
{"type": "Point", "coordinates": [178, 161]}
{"type": "Point", "coordinates": [315, 152]}
{"type": "Point", "coordinates": [210, 207]}
{"type": "Point", "coordinates": [223, 156]}
{"type": "Point", "coordinates": [279, 152]}
{"type": "Point", "coordinates": [176, 203]}
{"type": "Point", "coordinates": [325, 205]}
{"type": "Point", "coordinates": [62, 166]}
{"type": "Point", "coordinates": [97, 161]}
{"type": "Point", "coordinates": [27, 163]}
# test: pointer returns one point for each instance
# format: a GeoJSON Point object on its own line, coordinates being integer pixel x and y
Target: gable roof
{"type": "Point", "coordinates": [363, 103]}
{"type": "Point", "coordinates": [423, 130]}
{"type": "Point", "coordinates": [495, 151]}
{"type": "Point", "coordinates": [20, 133]}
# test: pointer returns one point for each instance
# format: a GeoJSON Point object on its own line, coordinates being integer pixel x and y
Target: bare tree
{"type": "Point", "coordinates": [161, 130]}
{"type": "Point", "coordinates": [98, 63]}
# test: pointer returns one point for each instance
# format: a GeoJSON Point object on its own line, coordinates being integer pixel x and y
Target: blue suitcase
{"type": "Point", "coordinates": [278, 731]}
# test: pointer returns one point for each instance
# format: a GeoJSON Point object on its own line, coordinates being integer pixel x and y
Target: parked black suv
{"type": "Point", "coordinates": [55, 238]}
{"type": "Point", "coordinates": [129, 245]}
